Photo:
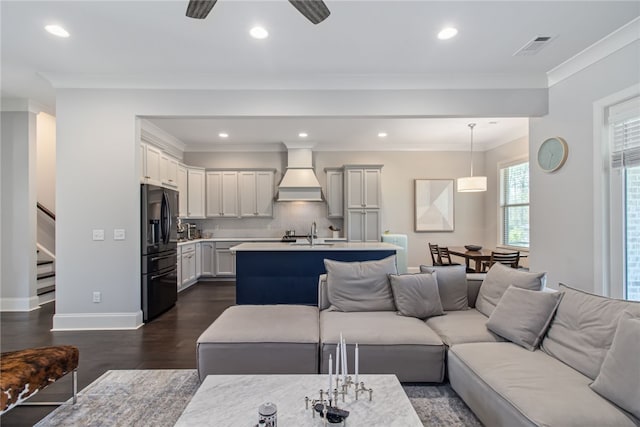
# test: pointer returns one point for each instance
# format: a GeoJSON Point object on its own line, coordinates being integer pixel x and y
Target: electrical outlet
{"type": "Point", "coordinates": [118, 234]}
{"type": "Point", "coordinates": [97, 296]}
{"type": "Point", "coordinates": [98, 234]}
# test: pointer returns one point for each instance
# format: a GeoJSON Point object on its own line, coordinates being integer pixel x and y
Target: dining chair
{"type": "Point", "coordinates": [445, 256]}
{"type": "Point", "coordinates": [435, 254]}
{"type": "Point", "coordinates": [511, 259]}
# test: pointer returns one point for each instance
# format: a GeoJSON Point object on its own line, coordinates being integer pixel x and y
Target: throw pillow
{"type": "Point", "coordinates": [499, 278]}
{"type": "Point", "coordinates": [523, 316]}
{"type": "Point", "coordinates": [619, 377]}
{"type": "Point", "coordinates": [452, 286]}
{"type": "Point", "coordinates": [416, 295]}
{"type": "Point", "coordinates": [360, 286]}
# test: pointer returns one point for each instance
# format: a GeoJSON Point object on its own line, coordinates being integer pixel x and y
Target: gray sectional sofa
{"type": "Point", "coordinates": [504, 383]}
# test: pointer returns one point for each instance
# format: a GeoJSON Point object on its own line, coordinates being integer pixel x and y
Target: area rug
{"type": "Point", "coordinates": [158, 397]}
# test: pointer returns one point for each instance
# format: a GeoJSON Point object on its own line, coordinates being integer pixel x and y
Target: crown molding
{"type": "Point", "coordinates": [165, 141]}
{"type": "Point", "coordinates": [615, 41]}
{"type": "Point", "coordinates": [25, 105]}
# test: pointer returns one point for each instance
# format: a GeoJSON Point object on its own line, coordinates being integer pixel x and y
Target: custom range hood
{"type": "Point", "coordinates": [299, 182]}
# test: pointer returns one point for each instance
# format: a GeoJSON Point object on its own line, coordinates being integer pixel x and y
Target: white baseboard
{"type": "Point", "coordinates": [19, 304]}
{"type": "Point", "coordinates": [46, 298]}
{"type": "Point", "coordinates": [96, 321]}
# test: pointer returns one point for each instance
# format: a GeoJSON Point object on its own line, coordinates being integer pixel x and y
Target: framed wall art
{"type": "Point", "coordinates": [434, 205]}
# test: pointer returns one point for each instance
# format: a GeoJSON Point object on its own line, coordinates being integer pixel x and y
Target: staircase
{"type": "Point", "coordinates": [46, 272]}
{"type": "Point", "coordinates": [46, 275]}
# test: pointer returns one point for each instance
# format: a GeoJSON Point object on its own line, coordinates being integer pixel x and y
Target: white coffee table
{"type": "Point", "coordinates": [233, 400]}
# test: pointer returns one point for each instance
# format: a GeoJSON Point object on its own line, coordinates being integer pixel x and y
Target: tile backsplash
{"type": "Point", "coordinates": [296, 216]}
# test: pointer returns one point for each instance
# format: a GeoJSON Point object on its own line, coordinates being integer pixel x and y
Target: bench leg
{"type": "Point", "coordinates": [74, 390]}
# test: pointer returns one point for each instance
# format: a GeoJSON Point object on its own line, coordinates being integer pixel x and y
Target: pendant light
{"type": "Point", "coordinates": [471, 184]}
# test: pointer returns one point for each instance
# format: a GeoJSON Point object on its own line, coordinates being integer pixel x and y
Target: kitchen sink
{"type": "Point", "coordinates": [309, 244]}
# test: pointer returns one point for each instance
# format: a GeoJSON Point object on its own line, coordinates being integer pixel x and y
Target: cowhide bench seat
{"type": "Point", "coordinates": [25, 372]}
{"type": "Point", "coordinates": [261, 339]}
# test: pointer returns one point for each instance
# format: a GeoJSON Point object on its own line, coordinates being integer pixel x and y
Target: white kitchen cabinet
{"type": "Point", "coordinates": [152, 163]}
{"type": "Point", "coordinates": [335, 192]}
{"type": "Point", "coordinates": [222, 194]}
{"type": "Point", "coordinates": [195, 191]}
{"type": "Point", "coordinates": [143, 163]}
{"type": "Point", "coordinates": [168, 170]}
{"type": "Point", "coordinates": [179, 267]}
{"type": "Point", "coordinates": [225, 260]}
{"type": "Point", "coordinates": [188, 264]}
{"type": "Point", "coordinates": [183, 196]}
{"type": "Point", "coordinates": [363, 186]}
{"type": "Point", "coordinates": [256, 190]}
{"type": "Point", "coordinates": [207, 259]}
{"type": "Point", "coordinates": [198, 259]}
{"type": "Point", "coordinates": [364, 225]}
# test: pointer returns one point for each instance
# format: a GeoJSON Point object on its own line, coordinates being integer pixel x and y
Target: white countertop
{"type": "Point", "coordinates": [231, 239]}
{"type": "Point", "coordinates": [337, 246]}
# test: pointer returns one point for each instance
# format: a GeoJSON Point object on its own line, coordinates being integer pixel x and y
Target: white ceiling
{"type": "Point", "coordinates": [363, 44]}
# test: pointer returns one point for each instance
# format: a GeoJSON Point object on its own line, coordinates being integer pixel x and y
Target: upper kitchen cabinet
{"type": "Point", "coordinates": [183, 196]}
{"type": "Point", "coordinates": [222, 194]}
{"type": "Point", "coordinates": [256, 191]}
{"type": "Point", "coordinates": [151, 173]}
{"type": "Point", "coordinates": [335, 192]}
{"type": "Point", "coordinates": [195, 193]}
{"type": "Point", "coordinates": [362, 186]}
{"type": "Point", "coordinates": [168, 170]}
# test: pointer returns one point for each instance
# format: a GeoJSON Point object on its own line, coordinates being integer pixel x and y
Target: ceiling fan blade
{"type": "Point", "coordinates": [314, 10]}
{"type": "Point", "coordinates": [199, 9]}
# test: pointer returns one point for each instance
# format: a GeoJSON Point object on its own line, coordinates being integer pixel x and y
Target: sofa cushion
{"type": "Point", "coordinates": [388, 344]}
{"type": "Point", "coordinates": [523, 316]}
{"type": "Point", "coordinates": [457, 327]}
{"type": "Point", "coordinates": [452, 285]}
{"type": "Point", "coordinates": [506, 385]}
{"type": "Point", "coordinates": [416, 295]}
{"type": "Point", "coordinates": [619, 377]}
{"type": "Point", "coordinates": [499, 278]}
{"type": "Point", "coordinates": [583, 327]}
{"type": "Point", "coordinates": [360, 286]}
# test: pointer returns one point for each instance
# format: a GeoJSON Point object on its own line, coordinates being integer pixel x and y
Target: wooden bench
{"type": "Point", "coordinates": [24, 372]}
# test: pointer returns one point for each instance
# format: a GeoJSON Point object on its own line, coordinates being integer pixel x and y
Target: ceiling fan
{"type": "Point", "coordinates": [314, 10]}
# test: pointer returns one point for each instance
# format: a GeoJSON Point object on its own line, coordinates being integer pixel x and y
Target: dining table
{"type": "Point", "coordinates": [478, 257]}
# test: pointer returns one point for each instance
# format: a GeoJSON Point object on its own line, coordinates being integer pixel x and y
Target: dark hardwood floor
{"type": "Point", "coordinates": [168, 342]}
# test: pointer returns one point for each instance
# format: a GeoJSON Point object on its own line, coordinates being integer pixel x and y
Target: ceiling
{"type": "Point", "coordinates": [363, 45]}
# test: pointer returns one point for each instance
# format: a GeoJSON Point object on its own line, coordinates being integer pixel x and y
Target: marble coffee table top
{"type": "Point", "coordinates": [233, 400]}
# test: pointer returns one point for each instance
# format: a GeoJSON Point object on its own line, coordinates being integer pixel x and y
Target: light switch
{"type": "Point", "coordinates": [98, 234]}
{"type": "Point", "coordinates": [118, 234]}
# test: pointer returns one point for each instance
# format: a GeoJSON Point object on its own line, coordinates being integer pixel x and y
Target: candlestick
{"type": "Point", "coordinates": [357, 362]}
{"type": "Point", "coordinates": [330, 374]}
{"type": "Point", "coordinates": [338, 360]}
{"type": "Point", "coordinates": [345, 372]}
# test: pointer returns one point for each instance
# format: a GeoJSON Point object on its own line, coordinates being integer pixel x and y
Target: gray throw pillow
{"type": "Point", "coordinates": [582, 330]}
{"type": "Point", "coordinates": [499, 278]}
{"type": "Point", "coordinates": [360, 286]}
{"type": "Point", "coordinates": [452, 286]}
{"type": "Point", "coordinates": [416, 295]}
{"type": "Point", "coordinates": [619, 377]}
{"type": "Point", "coordinates": [523, 316]}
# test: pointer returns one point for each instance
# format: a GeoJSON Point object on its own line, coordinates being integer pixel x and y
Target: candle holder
{"type": "Point", "coordinates": [360, 388]}
{"type": "Point", "coordinates": [331, 414]}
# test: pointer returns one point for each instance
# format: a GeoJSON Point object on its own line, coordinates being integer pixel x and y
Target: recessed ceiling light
{"type": "Point", "coordinates": [303, 134]}
{"type": "Point", "coordinates": [57, 30]}
{"type": "Point", "coordinates": [447, 33]}
{"type": "Point", "coordinates": [382, 134]}
{"type": "Point", "coordinates": [259, 33]}
{"type": "Point", "coordinates": [223, 135]}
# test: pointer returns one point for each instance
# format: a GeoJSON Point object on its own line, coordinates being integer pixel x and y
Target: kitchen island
{"type": "Point", "coordinates": [287, 273]}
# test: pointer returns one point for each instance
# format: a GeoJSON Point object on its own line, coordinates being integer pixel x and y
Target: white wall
{"type": "Point", "coordinates": [562, 203]}
{"type": "Point", "coordinates": [18, 206]}
{"type": "Point", "coordinates": [97, 183]}
{"type": "Point", "coordinates": [46, 160]}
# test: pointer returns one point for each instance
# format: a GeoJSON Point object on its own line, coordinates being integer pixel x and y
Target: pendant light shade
{"type": "Point", "coordinates": [472, 184]}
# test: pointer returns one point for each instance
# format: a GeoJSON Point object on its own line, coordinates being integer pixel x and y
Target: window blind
{"type": "Point", "coordinates": [624, 128]}
{"type": "Point", "coordinates": [514, 202]}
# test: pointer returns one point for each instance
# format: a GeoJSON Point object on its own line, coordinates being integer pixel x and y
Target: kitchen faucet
{"type": "Point", "coordinates": [314, 233]}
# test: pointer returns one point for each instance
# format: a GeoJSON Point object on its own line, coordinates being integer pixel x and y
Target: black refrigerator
{"type": "Point", "coordinates": [159, 211]}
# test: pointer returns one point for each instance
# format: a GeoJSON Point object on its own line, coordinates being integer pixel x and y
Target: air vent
{"type": "Point", "coordinates": [534, 46]}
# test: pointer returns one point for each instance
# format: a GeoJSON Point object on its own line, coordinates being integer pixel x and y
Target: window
{"type": "Point", "coordinates": [624, 138]}
{"type": "Point", "coordinates": [514, 205]}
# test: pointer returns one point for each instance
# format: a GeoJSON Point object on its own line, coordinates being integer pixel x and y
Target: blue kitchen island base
{"type": "Point", "coordinates": [290, 276]}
